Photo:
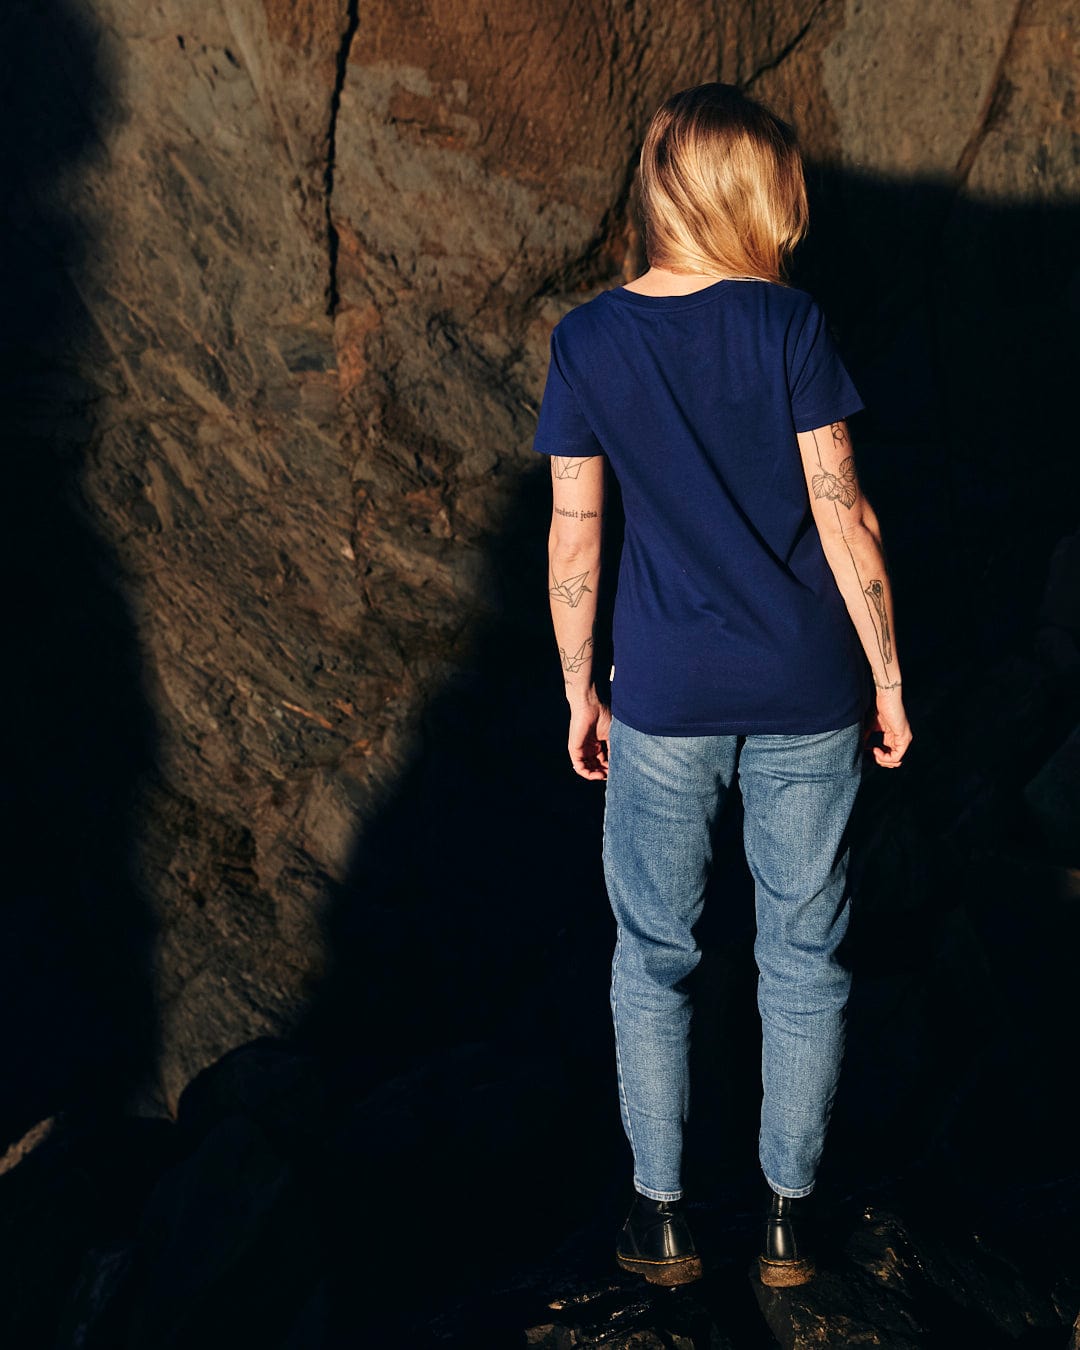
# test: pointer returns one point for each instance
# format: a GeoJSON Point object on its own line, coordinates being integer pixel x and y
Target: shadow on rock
{"type": "Point", "coordinates": [75, 954]}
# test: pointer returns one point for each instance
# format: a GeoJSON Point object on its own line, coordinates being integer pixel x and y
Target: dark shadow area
{"type": "Point", "coordinates": [465, 1021]}
{"type": "Point", "coordinates": [75, 972]}
{"type": "Point", "coordinates": [958, 319]}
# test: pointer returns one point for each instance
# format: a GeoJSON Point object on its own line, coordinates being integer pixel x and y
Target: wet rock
{"type": "Point", "coordinates": [1053, 797]}
{"type": "Point", "coordinates": [473, 1143]}
{"type": "Point", "coordinates": [895, 1286]}
{"type": "Point", "coordinates": [564, 1338]}
{"type": "Point", "coordinates": [629, 1322]}
{"type": "Point", "coordinates": [900, 1273]}
{"type": "Point", "coordinates": [228, 1248]}
{"type": "Point", "coordinates": [312, 1327]}
{"type": "Point", "coordinates": [96, 1311]}
{"type": "Point", "coordinates": [1057, 642]}
{"type": "Point", "coordinates": [276, 1086]}
{"type": "Point", "coordinates": [65, 1211]}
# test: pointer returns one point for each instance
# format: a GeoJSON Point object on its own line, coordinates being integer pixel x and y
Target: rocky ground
{"type": "Point", "coordinates": [252, 1221]}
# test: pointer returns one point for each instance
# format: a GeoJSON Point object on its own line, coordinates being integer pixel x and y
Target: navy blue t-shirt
{"type": "Point", "coordinates": [727, 617]}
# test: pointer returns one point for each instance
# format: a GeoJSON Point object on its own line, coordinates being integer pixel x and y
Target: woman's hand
{"type": "Point", "coordinates": [890, 722]}
{"type": "Point", "coordinates": [590, 723]}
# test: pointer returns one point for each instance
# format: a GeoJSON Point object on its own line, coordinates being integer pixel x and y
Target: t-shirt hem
{"type": "Point", "coordinates": [786, 726]}
{"type": "Point", "coordinates": [566, 453]}
{"type": "Point", "coordinates": [811, 421]}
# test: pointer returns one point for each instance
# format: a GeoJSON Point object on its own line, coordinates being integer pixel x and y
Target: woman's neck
{"type": "Point", "coordinates": [662, 281]}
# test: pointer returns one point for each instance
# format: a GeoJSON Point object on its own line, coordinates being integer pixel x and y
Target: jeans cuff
{"type": "Point", "coordinates": [790, 1192]}
{"type": "Point", "coordinates": [656, 1195]}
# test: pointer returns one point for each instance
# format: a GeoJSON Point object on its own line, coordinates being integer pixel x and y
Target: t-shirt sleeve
{"type": "Point", "coordinates": [562, 428]}
{"type": "Point", "coordinates": [821, 389]}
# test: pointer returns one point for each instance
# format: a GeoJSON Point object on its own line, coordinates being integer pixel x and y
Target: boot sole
{"type": "Point", "coordinates": [784, 1274]}
{"type": "Point", "coordinates": [685, 1270]}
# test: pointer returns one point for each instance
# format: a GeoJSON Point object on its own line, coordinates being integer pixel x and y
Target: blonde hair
{"type": "Point", "coordinates": [722, 186]}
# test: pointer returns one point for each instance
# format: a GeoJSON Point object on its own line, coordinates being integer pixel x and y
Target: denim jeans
{"type": "Point", "coordinates": [663, 796]}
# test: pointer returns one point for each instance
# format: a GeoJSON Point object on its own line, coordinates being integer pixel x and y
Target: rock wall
{"type": "Point", "coordinates": [285, 277]}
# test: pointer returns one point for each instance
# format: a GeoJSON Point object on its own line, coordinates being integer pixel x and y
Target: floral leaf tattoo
{"type": "Point", "coordinates": [837, 487]}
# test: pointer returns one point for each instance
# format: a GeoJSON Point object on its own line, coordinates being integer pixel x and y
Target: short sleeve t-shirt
{"type": "Point", "coordinates": [727, 616]}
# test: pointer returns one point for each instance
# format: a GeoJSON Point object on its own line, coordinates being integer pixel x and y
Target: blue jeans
{"type": "Point", "coordinates": [663, 796]}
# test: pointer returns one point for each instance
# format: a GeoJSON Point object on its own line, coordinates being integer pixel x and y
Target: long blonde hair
{"type": "Point", "coordinates": [722, 186]}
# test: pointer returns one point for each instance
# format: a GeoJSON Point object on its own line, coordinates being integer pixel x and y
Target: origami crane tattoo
{"type": "Point", "coordinates": [572, 664]}
{"type": "Point", "coordinates": [837, 487]}
{"type": "Point", "coordinates": [564, 467]}
{"type": "Point", "coordinates": [571, 590]}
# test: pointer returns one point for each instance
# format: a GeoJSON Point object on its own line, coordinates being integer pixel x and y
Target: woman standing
{"type": "Point", "coordinates": [752, 604]}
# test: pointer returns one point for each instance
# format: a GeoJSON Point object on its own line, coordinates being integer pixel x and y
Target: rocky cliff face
{"type": "Point", "coordinates": [281, 279]}
{"type": "Point", "coordinates": [294, 335]}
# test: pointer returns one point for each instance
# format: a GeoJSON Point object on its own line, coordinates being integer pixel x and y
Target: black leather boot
{"type": "Point", "coordinates": [655, 1242]}
{"type": "Point", "coordinates": [786, 1260]}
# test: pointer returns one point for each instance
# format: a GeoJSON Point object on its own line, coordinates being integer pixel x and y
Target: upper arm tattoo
{"type": "Point", "coordinates": [566, 466]}
{"type": "Point", "coordinates": [839, 486]}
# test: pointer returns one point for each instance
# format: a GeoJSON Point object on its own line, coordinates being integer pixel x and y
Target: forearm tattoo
{"type": "Point", "coordinates": [570, 591]}
{"type": "Point", "coordinates": [876, 592]}
{"type": "Point", "coordinates": [842, 487]}
{"type": "Point", "coordinates": [572, 663]}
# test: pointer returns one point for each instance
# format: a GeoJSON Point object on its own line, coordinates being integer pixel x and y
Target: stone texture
{"type": "Point", "coordinates": [1027, 150]}
{"type": "Point", "coordinates": [886, 123]}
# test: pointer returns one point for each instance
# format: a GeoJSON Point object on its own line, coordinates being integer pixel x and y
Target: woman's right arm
{"type": "Point", "coordinates": [851, 539]}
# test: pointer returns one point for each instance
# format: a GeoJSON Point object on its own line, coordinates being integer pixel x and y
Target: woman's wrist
{"type": "Point", "coordinates": [582, 695]}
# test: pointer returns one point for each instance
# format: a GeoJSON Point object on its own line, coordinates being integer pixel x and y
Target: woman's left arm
{"type": "Point", "coordinates": [577, 514]}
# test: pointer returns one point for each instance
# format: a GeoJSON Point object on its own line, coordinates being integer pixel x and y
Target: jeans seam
{"type": "Point", "coordinates": [624, 1104]}
{"type": "Point", "coordinates": [657, 1195]}
{"type": "Point", "coordinates": [618, 1053]}
{"type": "Point", "coordinates": [790, 1192]}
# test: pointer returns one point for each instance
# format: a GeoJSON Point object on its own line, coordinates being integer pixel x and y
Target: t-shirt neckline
{"type": "Point", "coordinates": [699, 297]}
